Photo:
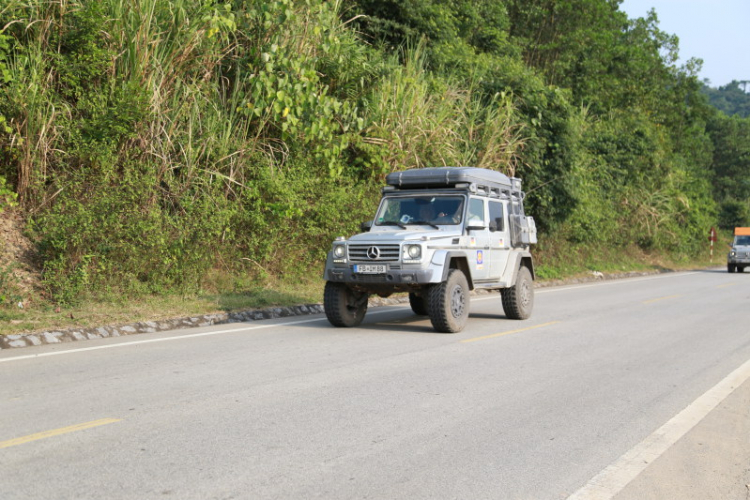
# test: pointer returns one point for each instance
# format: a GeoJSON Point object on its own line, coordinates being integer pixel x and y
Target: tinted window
{"type": "Point", "coordinates": [496, 215]}
{"type": "Point", "coordinates": [420, 209]}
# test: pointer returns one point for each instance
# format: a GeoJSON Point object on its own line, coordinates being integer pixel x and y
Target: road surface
{"type": "Point", "coordinates": [587, 399]}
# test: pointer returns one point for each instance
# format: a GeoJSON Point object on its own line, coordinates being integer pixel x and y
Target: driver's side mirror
{"type": "Point", "coordinates": [365, 226]}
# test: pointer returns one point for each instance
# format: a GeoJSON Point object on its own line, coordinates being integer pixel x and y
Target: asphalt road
{"type": "Point", "coordinates": [297, 409]}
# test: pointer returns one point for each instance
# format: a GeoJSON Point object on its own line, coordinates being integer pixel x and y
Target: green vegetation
{"type": "Point", "coordinates": [87, 313]}
{"type": "Point", "coordinates": [731, 99]}
{"type": "Point", "coordinates": [153, 145]}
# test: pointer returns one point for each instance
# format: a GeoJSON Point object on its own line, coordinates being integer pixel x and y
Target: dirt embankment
{"type": "Point", "coordinates": [20, 275]}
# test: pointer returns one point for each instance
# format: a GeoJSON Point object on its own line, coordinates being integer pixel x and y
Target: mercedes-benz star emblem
{"type": "Point", "coordinates": [373, 253]}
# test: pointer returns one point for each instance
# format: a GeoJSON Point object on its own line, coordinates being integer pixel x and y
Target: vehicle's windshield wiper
{"type": "Point", "coordinates": [425, 223]}
{"type": "Point", "coordinates": [392, 223]}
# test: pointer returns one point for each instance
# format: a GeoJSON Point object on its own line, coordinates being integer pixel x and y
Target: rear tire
{"type": "Point", "coordinates": [418, 304]}
{"type": "Point", "coordinates": [343, 306]}
{"type": "Point", "coordinates": [518, 300]}
{"type": "Point", "coordinates": [448, 303]}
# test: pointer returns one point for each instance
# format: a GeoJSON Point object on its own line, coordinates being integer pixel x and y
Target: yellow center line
{"type": "Point", "coordinates": [725, 285]}
{"type": "Point", "coordinates": [57, 432]}
{"type": "Point", "coordinates": [510, 332]}
{"type": "Point", "coordinates": [662, 298]}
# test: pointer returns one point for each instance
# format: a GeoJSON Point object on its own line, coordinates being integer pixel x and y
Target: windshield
{"type": "Point", "coordinates": [425, 210]}
{"type": "Point", "coordinates": [742, 240]}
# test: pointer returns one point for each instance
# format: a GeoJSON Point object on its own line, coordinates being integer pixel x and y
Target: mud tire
{"type": "Point", "coordinates": [518, 300]}
{"type": "Point", "coordinates": [343, 306]}
{"type": "Point", "coordinates": [448, 303]}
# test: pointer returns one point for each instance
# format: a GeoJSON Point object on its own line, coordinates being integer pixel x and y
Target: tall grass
{"type": "Point", "coordinates": [419, 120]}
{"type": "Point", "coordinates": [132, 145]}
{"type": "Point", "coordinates": [33, 111]}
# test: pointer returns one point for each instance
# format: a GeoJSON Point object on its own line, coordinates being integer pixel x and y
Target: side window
{"type": "Point", "coordinates": [496, 216]}
{"type": "Point", "coordinates": [476, 211]}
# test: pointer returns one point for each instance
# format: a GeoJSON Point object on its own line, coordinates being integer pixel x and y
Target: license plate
{"type": "Point", "coordinates": [369, 269]}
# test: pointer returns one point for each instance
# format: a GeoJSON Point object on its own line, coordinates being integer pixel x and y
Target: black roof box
{"type": "Point", "coordinates": [448, 176]}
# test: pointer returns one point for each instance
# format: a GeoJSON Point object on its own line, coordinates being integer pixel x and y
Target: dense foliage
{"type": "Point", "coordinates": [733, 99]}
{"type": "Point", "coordinates": [152, 142]}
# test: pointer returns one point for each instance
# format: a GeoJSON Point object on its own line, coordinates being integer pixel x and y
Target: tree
{"type": "Point", "coordinates": [731, 157]}
{"type": "Point", "coordinates": [730, 99]}
{"type": "Point", "coordinates": [456, 32]}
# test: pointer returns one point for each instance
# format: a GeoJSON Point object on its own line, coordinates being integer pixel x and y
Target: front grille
{"type": "Point", "coordinates": [362, 253]}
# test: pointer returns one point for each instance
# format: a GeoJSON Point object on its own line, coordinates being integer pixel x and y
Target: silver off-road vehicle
{"type": "Point", "coordinates": [739, 255]}
{"type": "Point", "coordinates": [438, 234]}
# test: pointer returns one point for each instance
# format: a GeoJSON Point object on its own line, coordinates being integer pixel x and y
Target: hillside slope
{"type": "Point", "coordinates": [20, 275]}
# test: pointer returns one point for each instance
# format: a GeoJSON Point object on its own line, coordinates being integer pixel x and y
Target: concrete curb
{"type": "Point", "coordinates": [75, 334]}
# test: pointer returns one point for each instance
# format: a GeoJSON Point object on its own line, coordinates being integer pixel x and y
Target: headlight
{"type": "Point", "coordinates": [732, 253]}
{"type": "Point", "coordinates": [413, 252]}
{"type": "Point", "coordinates": [339, 251]}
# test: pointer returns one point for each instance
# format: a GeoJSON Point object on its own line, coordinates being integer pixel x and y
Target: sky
{"type": "Point", "coordinates": [712, 30]}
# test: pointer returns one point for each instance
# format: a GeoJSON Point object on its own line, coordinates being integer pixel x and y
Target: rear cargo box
{"type": "Point", "coordinates": [448, 176]}
{"type": "Point", "coordinates": [742, 231]}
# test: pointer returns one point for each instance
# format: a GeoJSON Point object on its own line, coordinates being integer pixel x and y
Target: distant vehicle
{"type": "Point", "coordinates": [739, 256]}
{"type": "Point", "coordinates": [438, 234]}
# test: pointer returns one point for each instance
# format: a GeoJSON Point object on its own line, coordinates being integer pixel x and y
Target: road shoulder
{"type": "Point", "coordinates": [712, 461]}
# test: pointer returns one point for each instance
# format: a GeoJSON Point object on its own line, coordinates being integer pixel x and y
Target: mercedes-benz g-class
{"type": "Point", "coordinates": [438, 234]}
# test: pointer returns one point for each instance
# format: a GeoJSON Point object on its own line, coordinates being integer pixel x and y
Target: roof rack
{"type": "Point", "coordinates": [477, 180]}
{"type": "Point", "coordinates": [450, 177]}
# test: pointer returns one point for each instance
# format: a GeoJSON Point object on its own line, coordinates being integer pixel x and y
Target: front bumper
{"type": "Point", "coordinates": [740, 257]}
{"type": "Point", "coordinates": [398, 278]}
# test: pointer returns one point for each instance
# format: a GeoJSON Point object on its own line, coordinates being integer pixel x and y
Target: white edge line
{"type": "Point", "coordinates": [166, 339]}
{"type": "Point", "coordinates": [151, 341]}
{"type": "Point", "coordinates": [614, 282]}
{"type": "Point", "coordinates": [615, 477]}
{"type": "Point", "coordinates": [598, 283]}
{"type": "Point", "coordinates": [261, 327]}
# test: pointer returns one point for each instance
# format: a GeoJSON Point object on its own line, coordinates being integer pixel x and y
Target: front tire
{"type": "Point", "coordinates": [448, 303]}
{"type": "Point", "coordinates": [343, 306]}
{"type": "Point", "coordinates": [731, 268]}
{"type": "Point", "coordinates": [518, 300]}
